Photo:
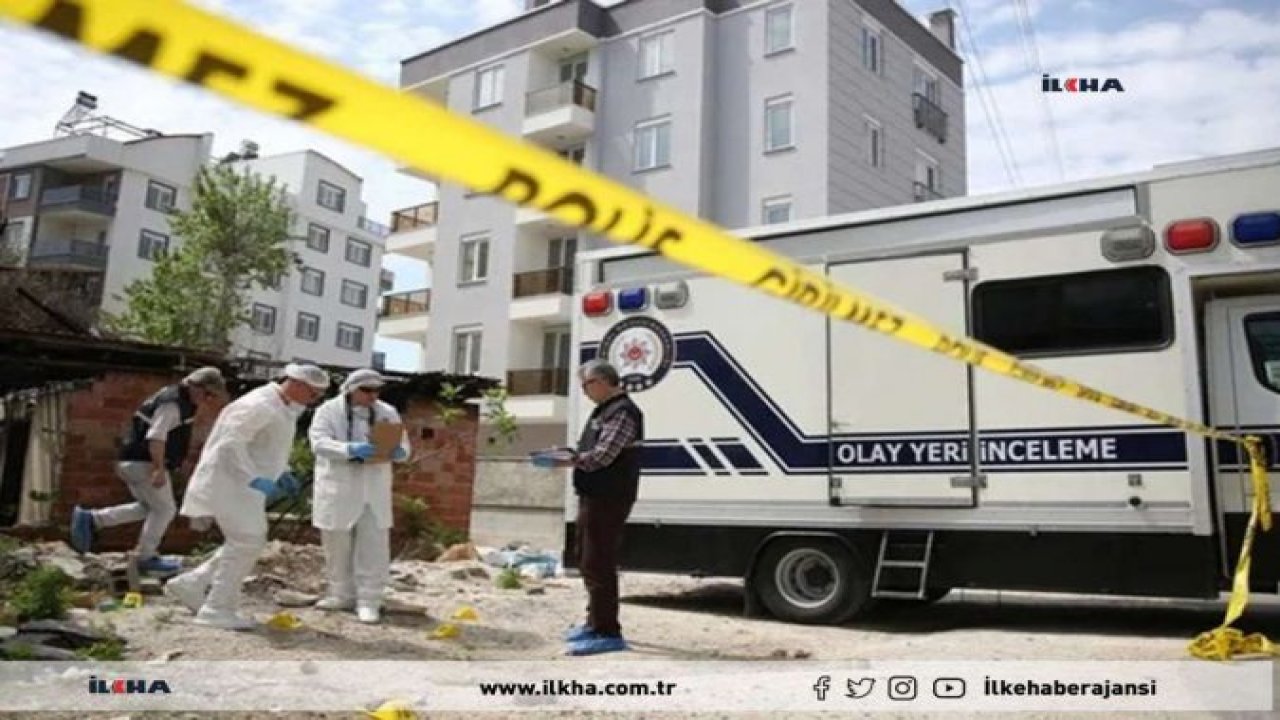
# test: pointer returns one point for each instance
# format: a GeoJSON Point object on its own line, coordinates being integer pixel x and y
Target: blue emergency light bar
{"type": "Point", "coordinates": [633, 299]}
{"type": "Point", "coordinates": [1261, 228]}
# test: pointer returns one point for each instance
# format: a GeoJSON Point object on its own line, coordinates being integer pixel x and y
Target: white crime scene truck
{"type": "Point", "coordinates": [830, 466]}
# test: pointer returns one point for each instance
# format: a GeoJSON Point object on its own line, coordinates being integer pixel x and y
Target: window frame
{"type": "Point", "coordinates": [789, 101]}
{"type": "Point", "coordinates": [356, 330]}
{"type": "Point", "coordinates": [143, 239]}
{"type": "Point", "coordinates": [873, 60]}
{"type": "Point", "coordinates": [1164, 296]}
{"type": "Point", "coordinates": [29, 177]}
{"type": "Point", "coordinates": [774, 201]}
{"type": "Point", "coordinates": [328, 237]}
{"type": "Point", "coordinates": [499, 72]}
{"type": "Point", "coordinates": [160, 187]}
{"type": "Point", "coordinates": [297, 326]}
{"type": "Point", "coordinates": [253, 319]}
{"type": "Point", "coordinates": [1259, 371]}
{"type": "Point", "coordinates": [875, 141]}
{"type": "Point", "coordinates": [664, 68]}
{"type": "Point", "coordinates": [302, 284]}
{"type": "Point", "coordinates": [364, 293]}
{"type": "Point", "coordinates": [340, 192]}
{"type": "Point", "coordinates": [787, 10]}
{"type": "Point", "coordinates": [478, 240]}
{"type": "Point", "coordinates": [475, 352]}
{"type": "Point", "coordinates": [368, 251]}
{"type": "Point", "coordinates": [645, 126]}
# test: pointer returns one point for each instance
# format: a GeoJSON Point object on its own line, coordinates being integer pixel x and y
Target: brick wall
{"type": "Point", "coordinates": [96, 416]}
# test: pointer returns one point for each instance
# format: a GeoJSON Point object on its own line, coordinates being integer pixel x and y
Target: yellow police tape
{"type": "Point", "coordinates": [189, 44]}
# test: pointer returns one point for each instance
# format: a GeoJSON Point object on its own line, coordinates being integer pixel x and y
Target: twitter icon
{"type": "Point", "coordinates": [861, 688]}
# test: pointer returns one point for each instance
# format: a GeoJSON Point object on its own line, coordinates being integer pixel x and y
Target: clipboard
{"type": "Point", "coordinates": [385, 438]}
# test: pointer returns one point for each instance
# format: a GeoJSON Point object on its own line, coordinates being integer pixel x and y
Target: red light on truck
{"type": "Point", "coordinates": [597, 303]}
{"type": "Point", "coordinates": [1191, 236]}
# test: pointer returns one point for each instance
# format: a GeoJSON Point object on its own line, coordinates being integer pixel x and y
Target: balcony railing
{"type": "Point", "coordinates": [542, 381]}
{"type": "Point", "coordinates": [923, 192]}
{"type": "Point", "coordinates": [405, 303]}
{"type": "Point", "coordinates": [552, 281]}
{"type": "Point", "coordinates": [373, 227]}
{"type": "Point", "coordinates": [558, 96]}
{"type": "Point", "coordinates": [415, 217]}
{"type": "Point", "coordinates": [78, 253]}
{"type": "Point", "coordinates": [930, 116]}
{"type": "Point", "coordinates": [86, 198]}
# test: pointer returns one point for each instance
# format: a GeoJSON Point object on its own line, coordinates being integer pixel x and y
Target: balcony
{"type": "Point", "coordinates": [924, 193]}
{"type": "Point", "coordinates": [561, 113]}
{"type": "Point", "coordinates": [373, 227]}
{"type": "Point", "coordinates": [404, 315]}
{"type": "Point", "coordinates": [541, 381]}
{"type": "Point", "coordinates": [386, 280]}
{"type": "Point", "coordinates": [538, 395]}
{"type": "Point", "coordinates": [929, 116]}
{"type": "Point", "coordinates": [413, 231]}
{"type": "Point", "coordinates": [543, 296]}
{"type": "Point", "coordinates": [80, 254]}
{"type": "Point", "coordinates": [78, 202]}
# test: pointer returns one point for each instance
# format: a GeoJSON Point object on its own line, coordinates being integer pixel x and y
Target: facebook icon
{"type": "Point", "coordinates": [822, 686]}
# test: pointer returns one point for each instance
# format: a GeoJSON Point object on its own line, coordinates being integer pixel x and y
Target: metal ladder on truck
{"type": "Point", "coordinates": [902, 569]}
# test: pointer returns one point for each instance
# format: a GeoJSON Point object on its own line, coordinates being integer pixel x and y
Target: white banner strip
{"type": "Point", "coordinates": [650, 686]}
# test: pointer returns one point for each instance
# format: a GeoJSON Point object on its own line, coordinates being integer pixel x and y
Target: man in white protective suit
{"type": "Point", "coordinates": [244, 466]}
{"type": "Point", "coordinates": [352, 502]}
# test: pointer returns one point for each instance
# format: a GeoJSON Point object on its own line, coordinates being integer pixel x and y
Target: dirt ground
{"type": "Point", "coordinates": [664, 617]}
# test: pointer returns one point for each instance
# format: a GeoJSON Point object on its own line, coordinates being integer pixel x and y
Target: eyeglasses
{"type": "Point", "coordinates": [374, 390]}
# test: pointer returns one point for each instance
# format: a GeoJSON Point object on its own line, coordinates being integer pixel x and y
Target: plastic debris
{"type": "Point", "coordinates": [466, 612]}
{"type": "Point", "coordinates": [445, 631]}
{"type": "Point", "coordinates": [284, 620]}
{"type": "Point", "coordinates": [131, 601]}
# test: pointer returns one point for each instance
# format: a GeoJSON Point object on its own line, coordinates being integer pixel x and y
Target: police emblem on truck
{"type": "Point", "coordinates": [642, 350]}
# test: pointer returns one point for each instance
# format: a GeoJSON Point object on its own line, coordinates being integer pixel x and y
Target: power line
{"type": "Point", "coordinates": [989, 105]}
{"type": "Point", "coordinates": [1031, 49]}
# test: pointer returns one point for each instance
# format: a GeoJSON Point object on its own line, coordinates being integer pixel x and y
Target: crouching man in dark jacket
{"type": "Point", "coordinates": [606, 478]}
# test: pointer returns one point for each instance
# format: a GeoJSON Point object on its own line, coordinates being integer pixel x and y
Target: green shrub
{"type": "Point", "coordinates": [508, 579]}
{"type": "Point", "coordinates": [109, 649]}
{"type": "Point", "coordinates": [18, 651]}
{"type": "Point", "coordinates": [43, 594]}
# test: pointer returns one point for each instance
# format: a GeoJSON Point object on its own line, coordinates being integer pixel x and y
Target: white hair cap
{"type": "Point", "coordinates": [309, 374]}
{"type": "Point", "coordinates": [363, 377]}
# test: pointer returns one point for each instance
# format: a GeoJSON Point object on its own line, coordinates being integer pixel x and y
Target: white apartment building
{"type": "Point", "coordinates": [743, 112]}
{"type": "Point", "coordinates": [97, 204]}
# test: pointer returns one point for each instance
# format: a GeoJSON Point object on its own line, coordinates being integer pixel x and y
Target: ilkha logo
{"type": "Point", "coordinates": [121, 686]}
{"type": "Point", "coordinates": [1079, 84]}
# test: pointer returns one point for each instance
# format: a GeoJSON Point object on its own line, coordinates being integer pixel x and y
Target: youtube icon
{"type": "Point", "coordinates": [948, 688]}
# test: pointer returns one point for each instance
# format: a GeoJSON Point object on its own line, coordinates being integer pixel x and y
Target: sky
{"type": "Point", "coordinates": [1201, 78]}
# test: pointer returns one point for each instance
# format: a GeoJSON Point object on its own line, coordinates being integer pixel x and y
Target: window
{"type": "Point", "coordinates": [1105, 311]}
{"type": "Point", "coordinates": [318, 238]}
{"type": "Point", "coordinates": [308, 327]}
{"type": "Point", "coordinates": [561, 251]}
{"type": "Point", "coordinates": [872, 49]}
{"type": "Point", "coordinates": [161, 197]}
{"type": "Point", "coordinates": [1262, 332]}
{"type": "Point", "coordinates": [489, 87]}
{"type": "Point", "coordinates": [657, 54]}
{"type": "Point", "coordinates": [331, 196]}
{"type": "Point", "coordinates": [574, 69]}
{"type": "Point", "coordinates": [875, 142]}
{"type": "Point", "coordinates": [653, 144]}
{"type": "Point", "coordinates": [926, 84]}
{"type": "Point", "coordinates": [263, 319]}
{"type": "Point", "coordinates": [475, 260]}
{"type": "Point", "coordinates": [355, 294]}
{"type": "Point", "coordinates": [777, 30]}
{"type": "Point", "coordinates": [777, 124]}
{"type": "Point", "coordinates": [350, 337]}
{"type": "Point", "coordinates": [312, 281]}
{"type": "Point", "coordinates": [152, 244]}
{"type": "Point", "coordinates": [557, 349]}
{"type": "Point", "coordinates": [928, 185]}
{"type": "Point", "coordinates": [20, 188]}
{"type": "Point", "coordinates": [466, 351]}
{"type": "Point", "coordinates": [574, 154]}
{"type": "Point", "coordinates": [359, 252]}
{"type": "Point", "coordinates": [776, 210]}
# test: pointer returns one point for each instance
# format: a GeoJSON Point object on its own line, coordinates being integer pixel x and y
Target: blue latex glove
{"type": "Point", "coordinates": [400, 454]}
{"type": "Point", "coordinates": [544, 461]}
{"type": "Point", "coordinates": [288, 483]}
{"type": "Point", "coordinates": [360, 451]}
{"type": "Point", "coordinates": [264, 486]}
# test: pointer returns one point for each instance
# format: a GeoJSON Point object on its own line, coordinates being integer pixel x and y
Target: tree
{"type": "Point", "coordinates": [234, 238]}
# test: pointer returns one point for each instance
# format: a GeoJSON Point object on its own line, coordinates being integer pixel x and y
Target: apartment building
{"type": "Point", "coordinates": [90, 202]}
{"type": "Point", "coordinates": [739, 111]}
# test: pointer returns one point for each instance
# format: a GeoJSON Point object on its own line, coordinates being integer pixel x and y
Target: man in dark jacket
{"type": "Point", "coordinates": [606, 478]}
{"type": "Point", "coordinates": [155, 444]}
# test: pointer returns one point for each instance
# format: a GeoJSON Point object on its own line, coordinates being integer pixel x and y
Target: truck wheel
{"type": "Point", "coordinates": [812, 580]}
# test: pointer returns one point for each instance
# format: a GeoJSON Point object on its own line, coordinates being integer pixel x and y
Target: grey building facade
{"type": "Point", "coordinates": [741, 112]}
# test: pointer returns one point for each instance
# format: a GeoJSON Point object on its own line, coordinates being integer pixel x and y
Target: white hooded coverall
{"type": "Point", "coordinates": [352, 502]}
{"type": "Point", "coordinates": [251, 438]}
